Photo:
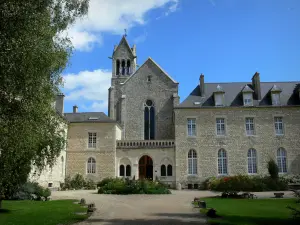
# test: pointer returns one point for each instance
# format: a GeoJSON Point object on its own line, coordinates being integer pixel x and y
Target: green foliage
{"type": "Point", "coordinates": [77, 182]}
{"type": "Point", "coordinates": [31, 191]}
{"type": "Point", "coordinates": [273, 169]}
{"type": "Point", "coordinates": [90, 184]}
{"type": "Point", "coordinates": [126, 186]}
{"type": "Point", "coordinates": [247, 184]}
{"type": "Point", "coordinates": [41, 213]}
{"type": "Point", "coordinates": [33, 56]}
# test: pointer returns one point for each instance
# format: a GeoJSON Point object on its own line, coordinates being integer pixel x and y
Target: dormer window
{"type": "Point", "coordinates": [247, 96]}
{"type": "Point", "coordinates": [219, 96]}
{"type": "Point", "coordinates": [275, 95]}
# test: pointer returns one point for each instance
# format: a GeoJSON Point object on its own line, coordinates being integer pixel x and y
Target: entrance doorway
{"type": "Point", "coordinates": [145, 167]}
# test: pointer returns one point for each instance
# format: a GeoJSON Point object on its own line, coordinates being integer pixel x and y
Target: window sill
{"type": "Point", "coordinates": [221, 136]}
{"type": "Point", "coordinates": [192, 137]}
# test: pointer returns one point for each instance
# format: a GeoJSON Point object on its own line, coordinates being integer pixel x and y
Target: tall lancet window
{"type": "Point", "coordinates": [149, 120]}
{"type": "Point", "coordinates": [128, 72]}
{"type": "Point", "coordinates": [123, 67]}
{"type": "Point", "coordinates": [118, 67]}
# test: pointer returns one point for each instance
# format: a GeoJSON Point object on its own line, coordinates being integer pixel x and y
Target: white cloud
{"type": "Point", "coordinates": [113, 16]}
{"type": "Point", "coordinates": [88, 86]}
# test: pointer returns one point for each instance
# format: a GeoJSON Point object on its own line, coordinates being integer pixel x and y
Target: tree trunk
{"type": "Point", "coordinates": [0, 203]}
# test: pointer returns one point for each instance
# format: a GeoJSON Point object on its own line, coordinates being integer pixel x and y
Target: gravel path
{"type": "Point", "coordinates": [174, 209]}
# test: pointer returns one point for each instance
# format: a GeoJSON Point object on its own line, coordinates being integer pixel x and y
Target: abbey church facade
{"type": "Point", "coordinates": [220, 129]}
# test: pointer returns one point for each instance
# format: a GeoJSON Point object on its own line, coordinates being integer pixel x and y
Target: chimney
{"type": "Point", "coordinates": [59, 103]}
{"type": "Point", "coordinates": [202, 91]}
{"type": "Point", "coordinates": [75, 109]}
{"type": "Point", "coordinates": [256, 85]}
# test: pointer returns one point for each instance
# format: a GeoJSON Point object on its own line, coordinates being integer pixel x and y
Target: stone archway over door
{"type": "Point", "coordinates": [146, 167]}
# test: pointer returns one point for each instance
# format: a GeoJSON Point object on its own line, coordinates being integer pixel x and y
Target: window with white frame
{"type": "Point", "coordinates": [275, 98]}
{"type": "Point", "coordinates": [91, 165]}
{"type": "Point", "coordinates": [281, 160]}
{"type": "Point", "coordinates": [252, 165]}
{"type": "Point", "coordinates": [278, 125]}
{"type": "Point", "coordinates": [191, 127]}
{"type": "Point", "coordinates": [192, 162]}
{"type": "Point", "coordinates": [220, 123]}
{"type": "Point", "coordinates": [222, 162]}
{"type": "Point", "coordinates": [92, 139]}
{"type": "Point", "coordinates": [249, 126]}
{"type": "Point", "coordinates": [219, 99]}
{"type": "Point", "coordinates": [248, 99]}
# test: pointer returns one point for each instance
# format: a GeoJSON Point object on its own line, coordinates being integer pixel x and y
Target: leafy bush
{"type": "Point", "coordinates": [77, 182]}
{"type": "Point", "coordinates": [126, 186]}
{"type": "Point", "coordinates": [90, 184]}
{"type": "Point", "coordinates": [247, 184]}
{"type": "Point", "coordinates": [273, 169]}
{"type": "Point", "coordinates": [31, 191]}
{"type": "Point", "coordinates": [292, 179]}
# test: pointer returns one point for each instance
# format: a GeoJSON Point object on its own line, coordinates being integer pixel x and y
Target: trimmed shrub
{"type": "Point", "coordinates": [126, 186]}
{"type": "Point", "coordinates": [233, 184]}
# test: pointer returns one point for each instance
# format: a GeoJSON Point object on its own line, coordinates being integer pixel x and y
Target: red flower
{"type": "Point", "coordinates": [226, 179]}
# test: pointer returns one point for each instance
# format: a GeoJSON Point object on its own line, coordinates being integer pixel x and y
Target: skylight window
{"type": "Point", "coordinates": [93, 118]}
{"type": "Point", "coordinates": [197, 103]}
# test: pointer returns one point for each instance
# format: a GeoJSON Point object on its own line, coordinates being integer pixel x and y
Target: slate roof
{"type": "Point", "coordinates": [234, 97]}
{"type": "Point", "coordinates": [150, 61]}
{"type": "Point", "coordinates": [88, 117]}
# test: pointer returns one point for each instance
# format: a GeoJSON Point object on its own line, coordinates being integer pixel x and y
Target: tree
{"type": "Point", "coordinates": [33, 55]}
{"type": "Point", "coordinates": [273, 169]}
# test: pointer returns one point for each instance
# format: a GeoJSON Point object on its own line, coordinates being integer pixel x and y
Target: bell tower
{"type": "Point", "coordinates": [123, 59]}
{"type": "Point", "coordinates": [123, 66]}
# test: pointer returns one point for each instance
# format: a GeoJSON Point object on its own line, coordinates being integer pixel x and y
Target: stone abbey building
{"type": "Point", "coordinates": [219, 129]}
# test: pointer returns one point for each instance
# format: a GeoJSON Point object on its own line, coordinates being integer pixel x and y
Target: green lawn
{"type": "Point", "coordinates": [252, 211]}
{"type": "Point", "coordinates": [40, 213]}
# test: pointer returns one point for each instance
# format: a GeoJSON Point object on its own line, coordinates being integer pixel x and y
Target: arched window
{"type": "Point", "coordinates": [169, 170]}
{"type": "Point", "coordinates": [118, 67]}
{"type": "Point", "coordinates": [163, 170]}
{"type": "Point", "coordinates": [281, 160]}
{"type": "Point", "coordinates": [122, 171]}
{"type": "Point", "coordinates": [192, 162]}
{"type": "Point", "coordinates": [91, 165]}
{"type": "Point", "coordinates": [128, 67]}
{"type": "Point", "coordinates": [252, 164]}
{"type": "Point", "coordinates": [149, 120]}
{"type": "Point", "coordinates": [222, 162]}
{"type": "Point", "coordinates": [123, 67]}
{"type": "Point", "coordinates": [62, 165]}
{"type": "Point", "coordinates": [128, 171]}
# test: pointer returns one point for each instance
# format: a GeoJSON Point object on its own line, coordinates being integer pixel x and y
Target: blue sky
{"type": "Point", "coordinates": [226, 40]}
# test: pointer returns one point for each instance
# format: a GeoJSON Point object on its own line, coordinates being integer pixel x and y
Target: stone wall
{"type": "Point", "coordinates": [136, 91]}
{"type": "Point", "coordinates": [104, 153]}
{"type": "Point", "coordinates": [235, 142]}
{"type": "Point", "coordinates": [159, 156]}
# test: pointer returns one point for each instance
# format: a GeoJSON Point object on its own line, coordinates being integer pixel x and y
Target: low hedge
{"type": "Point", "coordinates": [126, 186]}
{"type": "Point", "coordinates": [246, 183]}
